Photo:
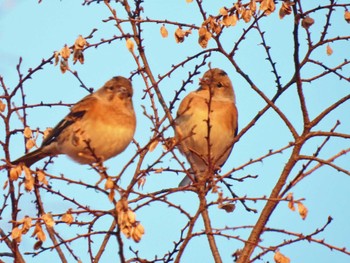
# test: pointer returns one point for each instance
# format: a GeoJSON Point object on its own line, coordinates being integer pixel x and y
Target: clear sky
{"type": "Point", "coordinates": [34, 31]}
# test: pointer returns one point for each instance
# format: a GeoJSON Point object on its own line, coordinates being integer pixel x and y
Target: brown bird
{"type": "Point", "coordinates": [206, 124]}
{"type": "Point", "coordinates": [98, 127]}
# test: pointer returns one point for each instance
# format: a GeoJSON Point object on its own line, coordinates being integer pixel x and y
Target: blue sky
{"type": "Point", "coordinates": [34, 31]}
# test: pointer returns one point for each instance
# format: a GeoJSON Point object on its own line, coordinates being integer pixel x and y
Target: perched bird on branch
{"type": "Point", "coordinates": [206, 125]}
{"type": "Point", "coordinates": [98, 127]}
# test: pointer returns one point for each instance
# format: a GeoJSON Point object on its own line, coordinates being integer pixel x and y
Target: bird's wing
{"type": "Point", "coordinates": [77, 112]}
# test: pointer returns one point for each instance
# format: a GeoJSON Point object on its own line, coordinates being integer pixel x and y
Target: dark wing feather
{"type": "Point", "coordinates": [67, 121]}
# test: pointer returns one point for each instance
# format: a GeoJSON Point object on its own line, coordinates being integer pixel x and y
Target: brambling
{"type": "Point", "coordinates": [206, 124]}
{"type": "Point", "coordinates": [98, 127]}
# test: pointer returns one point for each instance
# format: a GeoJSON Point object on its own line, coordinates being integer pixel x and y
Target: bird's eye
{"type": "Point", "coordinates": [219, 85]}
{"type": "Point", "coordinates": [110, 88]}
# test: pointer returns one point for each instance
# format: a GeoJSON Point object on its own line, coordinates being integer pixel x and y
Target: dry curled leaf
{"type": "Point", "coordinates": [67, 217]}
{"type": "Point", "coordinates": [329, 50]}
{"type": "Point", "coordinates": [38, 232]}
{"type": "Point", "coordinates": [280, 258]}
{"type": "Point", "coordinates": [286, 9]}
{"type": "Point", "coordinates": [27, 224]}
{"type": "Point", "coordinates": [246, 15]}
{"type": "Point", "coordinates": [15, 172]}
{"type": "Point", "coordinates": [290, 198]}
{"type": "Point", "coordinates": [164, 31]}
{"type": "Point", "coordinates": [2, 106]}
{"type": "Point", "coordinates": [181, 34]}
{"type": "Point", "coordinates": [137, 232]}
{"type": "Point", "coordinates": [38, 245]}
{"type": "Point", "coordinates": [141, 182]}
{"type": "Point", "coordinates": [130, 44]}
{"type": "Point", "coordinates": [223, 11]}
{"type": "Point", "coordinates": [64, 65]}
{"type": "Point", "coordinates": [230, 20]}
{"type": "Point", "coordinates": [48, 219]}
{"type": "Point", "coordinates": [268, 6]}
{"type": "Point", "coordinates": [27, 132]}
{"type": "Point", "coordinates": [30, 144]}
{"type": "Point", "coordinates": [347, 16]}
{"type": "Point", "coordinates": [153, 145]}
{"type": "Point", "coordinates": [252, 6]}
{"type": "Point", "coordinates": [28, 179]}
{"type": "Point", "coordinates": [307, 22]}
{"type": "Point", "coordinates": [41, 177]}
{"type": "Point", "coordinates": [16, 234]}
{"type": "Point", "coordinates": [204, 37]}
{"type": "Point", "coordinates": [109, 183]}
{"type": "Point", "coordinates": [111, 195]}
{"type": "Point", "coordinates": [65, 52]}
{"type": "Point", "coordinates": [80, 43]}
{"type": "Point", "coordinates": [302, 210]}
{"type": "Point", "coordinates": [229, 208]}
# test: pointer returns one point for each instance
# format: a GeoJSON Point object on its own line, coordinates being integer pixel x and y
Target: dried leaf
{"type": "Point", "coordinates": [164, 32]}
{"type": "Point", "coordinates": [252, 6]}
{"type": "Point", "coordinates": [57, 57]}
{"type": "Point", "coordinates": [16, 234]}
{"type": "Point", "coordinates": [153, 145]}
{"type": "Point", "coordinates": [141, 182]}
{"type": "Point", "coordinates": [204, 37]}
{"type": "Point", "coordinates": [65, 52]}
{"type": "Point", "coordinates": [28, 179]}
{"type": "Point", "coordinates": [27, 132]}
{"type": "Point", "coordinates": [137, 233]}
{"type": "Point", "coordinates": [122, 205]}
{"type": "Point", "coordinates": [30, 144]}
{"type": "Point", "coordinates": [27, 224]}
{"type": "Point", "coordinates": [64, 65]}
{"type": "Point", "coordinates": [15, 172]}
{"type": "Point", "coordinates": [268, 6]}
{"type": "Point", "coordinates": [302, 210]}
{"type": "Point", "coordinates": [80, 43]}
{"type": "Point", "coordinates": [229, 20]}
{"type": "Point", "coordinates": [280, 258]}
{"type": "Point", "coordinates": [68, 217]}
{"type": "Point", "coordinates": [78, 55]}
{"type": "Point", "coordinates": [130, 44]}
{"type": "Point", "coordinates": [48, 219]}
{"type": "Point", "coordinates": [38, 245]}
{"type": "Point", "coordinates": [2, 106]}
{"type": "Point", "coordinates": [109, 183]}
{"type": "Point", "coordinates": [307, 22]}
{"type": "Point", "coordinates": [247, 15]}
{"type": "Point", "coordinates": [111, 195]}
{"type": "Point", "coordinates": [286, 9]}
{"type": "Point", "coordinates": [223, 11]}
{"type": "Point", "coordinates": [189, 1]}
{"type": "Point", "coordinates": [229, 208]}
{"type": "Point", "coordinates": [41, 235]}
{"type": "Point", "coordinates": [347, 16]}
{"type": "Point", "coordinates": [41, 177]}
{"type": "Point", "coordinates": [291, 201]}
{"type": "Point", "coordinates": [329, 50]}
{"type": "Point", "coordinates": [181, 34]}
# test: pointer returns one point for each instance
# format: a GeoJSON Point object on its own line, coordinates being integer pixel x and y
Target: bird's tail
{"type": "Point", "coordinates": [30, 158]}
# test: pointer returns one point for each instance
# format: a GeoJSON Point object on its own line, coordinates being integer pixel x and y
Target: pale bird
{"type": "Point", "coordinates": [98, 127]}
{"type": "Point", "coordinates": [207, 122]}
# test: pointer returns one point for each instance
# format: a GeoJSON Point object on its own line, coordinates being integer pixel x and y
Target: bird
{"type": "Point", "coordinates": [97, 128]}
{"type": "Point", "coordinates": [207, 122]}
